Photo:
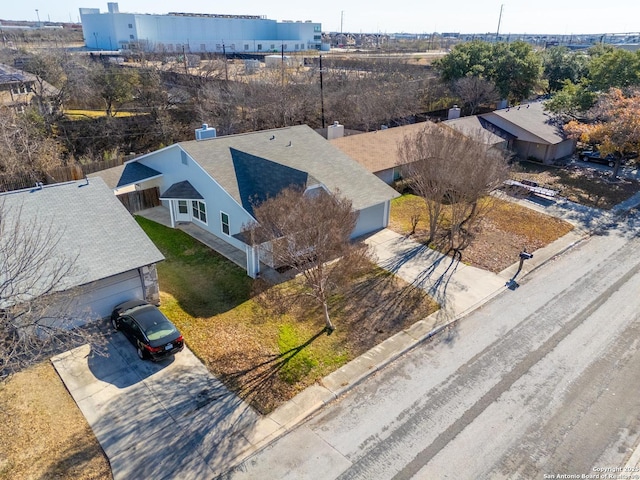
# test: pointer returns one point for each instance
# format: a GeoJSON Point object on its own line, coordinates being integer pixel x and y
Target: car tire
{"type": "Point", "coordinates": [141, 354]}
{"type": "Point", "coordinates": [114, 324]}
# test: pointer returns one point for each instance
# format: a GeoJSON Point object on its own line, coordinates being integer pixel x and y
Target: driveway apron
{"type": "Point", "coordinates": [165, 420]}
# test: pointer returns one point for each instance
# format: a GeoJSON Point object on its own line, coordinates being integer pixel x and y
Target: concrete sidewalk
{"type": "Point", "coordinates": [182, 414]}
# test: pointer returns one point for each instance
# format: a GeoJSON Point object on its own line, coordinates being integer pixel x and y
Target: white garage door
{"type": "Point", "coordinates": [96, 300]}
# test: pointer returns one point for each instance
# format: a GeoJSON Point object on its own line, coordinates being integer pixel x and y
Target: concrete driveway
{"type": "Point", "coordinates": [164, 420]}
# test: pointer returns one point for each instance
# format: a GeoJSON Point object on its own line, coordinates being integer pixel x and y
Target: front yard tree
{"type": "Point", "coordinates": [452, 173]}
{"type": "Point", "coordinates": [613, 125]}
{"type": "Point", "coordinates": [310, 233]}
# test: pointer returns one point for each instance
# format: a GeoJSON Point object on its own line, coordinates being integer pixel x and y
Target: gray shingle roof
{"type": "Point", "coordinates": [135, 172]}
{"type": "Point", "coordinates": [298, 148]}
{"type": "Point", "coordinates": [181, 190]}
{"type": "Point", "coordinates": [529, 123]}
{"type": "Point", "coordinates": [93, 224]}
{"type": "Point", "coordinates": [477, 128]}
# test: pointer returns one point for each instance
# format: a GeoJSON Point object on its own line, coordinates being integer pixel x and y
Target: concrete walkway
{"type": "Point", "coordinates": [177, 421]}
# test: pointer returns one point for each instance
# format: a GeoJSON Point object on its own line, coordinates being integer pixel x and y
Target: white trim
{"type": "Point", "coordinates": [206, 213]}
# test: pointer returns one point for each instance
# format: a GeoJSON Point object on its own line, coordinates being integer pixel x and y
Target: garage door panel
{"type": "Point", "coordinates": [96, 300]}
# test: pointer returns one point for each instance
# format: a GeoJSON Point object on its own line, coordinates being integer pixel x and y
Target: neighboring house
{"type": "Point", "coordinates": [114, 259]}
{"type": "Point", "coordinates": [18, 88]}
{"type": "Point", "coordinates": [214, 183]}
{"type": "Point", "coordinates": [537, 135]}
{"type": "Point", "coordinates": [378, 151]}
{"type": "Point", "coordinates": [481, 130]}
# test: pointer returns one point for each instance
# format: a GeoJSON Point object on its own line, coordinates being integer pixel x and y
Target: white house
{"type": "Point", "coordinates": [195, 32]}
{"type": "Point", "coordinates": [215, 182]}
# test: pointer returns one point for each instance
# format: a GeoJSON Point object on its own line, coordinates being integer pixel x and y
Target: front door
{"type": "Point", "coordinates": [181, 209]}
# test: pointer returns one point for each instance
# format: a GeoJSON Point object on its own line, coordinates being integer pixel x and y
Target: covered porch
{"type": "Point", "coordinates": [162, 215]}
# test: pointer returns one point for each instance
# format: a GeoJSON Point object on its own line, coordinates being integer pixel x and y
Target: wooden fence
{"type": "Point", "coordinates": [140, 199]}
{"type": "Point", "coordinates": [57, 175]}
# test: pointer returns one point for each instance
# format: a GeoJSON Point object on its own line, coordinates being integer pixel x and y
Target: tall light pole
{"type": "Point", "coordinates": [38, 15]}
{"type": "Point", "coordinates": [499, 20]}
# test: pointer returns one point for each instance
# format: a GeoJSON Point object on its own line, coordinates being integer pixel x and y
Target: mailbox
{"type": "Point", "coordinates": [525, 255]}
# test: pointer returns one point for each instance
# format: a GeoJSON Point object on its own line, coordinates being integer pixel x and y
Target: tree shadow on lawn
{"type": "Point", "coordinates": [378, 307]}
{"type": "Point", "coordinates": [260, 384]}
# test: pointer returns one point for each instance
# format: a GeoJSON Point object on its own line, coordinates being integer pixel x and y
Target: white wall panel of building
{"type": "Point", "coordinates": [196, 33]}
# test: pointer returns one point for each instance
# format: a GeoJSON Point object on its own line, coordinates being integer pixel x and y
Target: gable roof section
{"type": "Point", "coordinates": [135, 172]}
{"type": "Point", "coordinates": [181, 191]}
{"type": "Point", "coordinates": [254, 186]}
{"type": "Point", "coordinates": [529, 123]}
{"type": "Point", "coordinates": [94, 227]}
{"type": "Point", "coordinates": [477, 128]}
{"type": "Point", "coordinates": [297, 148]}
{"type": "Point", "coordinates": [376, 151]}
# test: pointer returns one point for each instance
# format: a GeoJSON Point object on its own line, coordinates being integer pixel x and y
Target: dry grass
{"type": "Point", "coordinates": [580, 184]}
{"type": "Point", "coordinates": [505, 230]}
{"type": "Point", "coordinates": [271, 347]}
{"type": "Point", "coordinates": [43, 434]}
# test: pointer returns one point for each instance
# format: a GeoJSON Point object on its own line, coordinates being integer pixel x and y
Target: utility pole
{"type": "Point", "coordinates": [321, 94]}
{"type": "Point", "coordinates": [224, 57]}
{"type": "Point", "coordinates": [499, 21]}
{"type": "Point", "coordinates": [184, 60]}
{"type": "Point", "coordinates": [38, 15]}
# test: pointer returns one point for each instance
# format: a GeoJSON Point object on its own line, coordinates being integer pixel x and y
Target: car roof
{"type": "Point", "coordinates": [147, 315]}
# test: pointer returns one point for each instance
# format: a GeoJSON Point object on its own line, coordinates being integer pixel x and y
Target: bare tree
{"type": "Point", "coordinates": [310, 233]}
{"type": "Point", "coordinates": [26, 150]}
{"type": "Point", "coordinates": [475, 91]}
{"type": "Point", "coordinates": [32, 275]}
{"type": "Point", "coordinates": [453, 173]}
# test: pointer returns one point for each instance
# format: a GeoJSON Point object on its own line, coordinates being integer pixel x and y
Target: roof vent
{"type": "Point", "coordinates": [205, 132]}
{"type": "Point", "coordinates": [273, 137]}
{"type": "Point", "coordinates": [289, 143]}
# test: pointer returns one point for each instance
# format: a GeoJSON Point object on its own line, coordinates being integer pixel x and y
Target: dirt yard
{"type": "Point", "coordinates": [43, 434]}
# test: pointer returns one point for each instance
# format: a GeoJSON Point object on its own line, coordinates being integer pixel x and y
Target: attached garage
{"type": "Point", "coordinates": [109, 256]}
{"type": "Point", "coordinates": [97, 299]}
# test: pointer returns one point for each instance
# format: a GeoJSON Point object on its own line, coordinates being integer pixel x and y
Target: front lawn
{"type": "Point", "coordinates": [265, 345]}
{"type": "Point", "coordinates": [505, 230]}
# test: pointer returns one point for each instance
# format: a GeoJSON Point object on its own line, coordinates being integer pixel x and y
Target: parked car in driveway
{"type": "Point", "coordinates": [153, 334]}
{"type": "Point", "coordinates": [595, 157]}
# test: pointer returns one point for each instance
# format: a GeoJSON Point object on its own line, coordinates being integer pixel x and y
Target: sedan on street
{"type": "Point", "coordinates": [153, 335]}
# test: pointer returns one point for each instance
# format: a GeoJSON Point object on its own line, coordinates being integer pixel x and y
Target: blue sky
{"type": "Point", "coordinates": [385, 16]}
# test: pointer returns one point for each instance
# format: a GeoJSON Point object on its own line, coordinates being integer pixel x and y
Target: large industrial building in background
{"type": "Point", "coordinates": [195, 32]}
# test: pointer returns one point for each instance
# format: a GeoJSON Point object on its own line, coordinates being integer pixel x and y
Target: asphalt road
{"type": "Point", "coordinates": [541, 381]}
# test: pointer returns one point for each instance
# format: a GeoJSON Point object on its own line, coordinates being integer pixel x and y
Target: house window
{"type": "Point", "coordinates": [224, 220]}
{"type": "Point", "coordinates": [273, 46]}
{"type": "Point", "coordinates": [131, 25]}
{"type": "Point", "coordinates": [203, 47]}
{"type": "Point", "coordinates": [246, 46]}
{"type": "Point", "coordinates": [131, 37]}
{"type": "Point", "coordinates": [199, 210]}
{"type": "Point", "coordinates": [182, 207]}
{"type": "Point", "coordinates": [316, 28]}
{"type": "Point", "coordinates": [259, 47]}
